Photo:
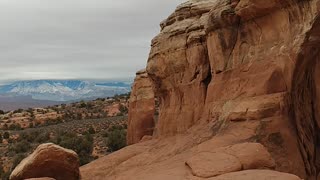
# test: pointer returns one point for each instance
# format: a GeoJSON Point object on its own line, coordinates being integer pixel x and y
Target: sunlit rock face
{"type": "Point", "coordinates": [228, 72]}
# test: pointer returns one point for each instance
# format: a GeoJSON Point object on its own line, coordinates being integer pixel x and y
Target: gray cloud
{"type": "Point", "coordinates": [62, 39]}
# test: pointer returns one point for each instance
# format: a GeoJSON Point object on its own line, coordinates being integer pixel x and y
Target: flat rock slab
{"type": "Point", "coordinates": [251, 155]}
{"type": "Point", "coordinates": [256, 175]}
{"type": "Point", "coordinates": [208, 164]}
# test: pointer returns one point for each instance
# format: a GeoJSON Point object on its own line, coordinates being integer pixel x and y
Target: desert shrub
{"type": "Point", "coordinates": [21, 147]}
{"type": "Point", "coordinates": [15, 127]}
{"type": "Point", "coordinates": [1, 170]}
{"type": "Point", "coordinates": [105, 134]}
{"type": "Point", "coordinates": [1, 138]}
{"type": "Point", "coordinates": [17, 159]}
{"type": "Point", "coordinates": [49, 122]}
{"type": "Point", "coordinates": [4, 175]}
{"type": "Point", "coordinates": [32, 117]}
{"type": "Point", "coordinates": [82, 104]}
{"type": "Point", "coordinates": [37, 124]}
{"type": "Point", "coordinates": [79, 116]}
{"type": "Point", "coordinates": [26, 137]}
{"type": "Point", "coordinates": [18, 111]}
{"type": "Point", "coordinates": [82, 145]}
{"type": "Point", "coordinates": [5, 126]}
{"type": "Point", "coordinates": [118, 127]}
{"type": "Point", "coordinates": [34, 136]}
{"type": "Point", "coordinates": [116, 139]}
{"type": "Point", "coordinates": [6, 135]}
{"type": "Point", "coordinates": [2, 112]}
{"type": "Point", "coordinates": [123, 109]}
{"type": "Point", "coordinates": [30, 110]}
{"type": "Point", "coordinates": [91, 130]}
{"type": "Point", "coordinates": [89, 105]}
{"type": "Point", "coordinates": [43, 137]}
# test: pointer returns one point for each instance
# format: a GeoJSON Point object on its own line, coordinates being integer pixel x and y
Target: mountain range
{"type": "Point", "coordinates": [64, 90]}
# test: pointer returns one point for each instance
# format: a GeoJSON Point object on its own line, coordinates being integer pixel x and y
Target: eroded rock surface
{"type": "Point", "coordinates": [230, 159]}
{"type": "Point", "coordinates": [230, 73]}
{"type": "Point", "coordinates": [141, 108]}
{"type": "Point", "coordinates": [48, 160]}
{"type": "Point", "coordinates": [212, 164]}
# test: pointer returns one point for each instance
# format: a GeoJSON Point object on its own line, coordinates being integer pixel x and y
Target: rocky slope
{"type": "Point", "coordinates": [94, 109]}
{"type": "Point", "coordinates": [238, 85]}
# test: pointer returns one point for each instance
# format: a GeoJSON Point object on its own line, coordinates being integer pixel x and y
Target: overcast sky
{"type": "Point", "coordinates": [75, 39]}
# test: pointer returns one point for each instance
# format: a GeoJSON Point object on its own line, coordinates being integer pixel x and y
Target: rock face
{"type": "Point", "coordinates": [49, 161]}
{"type": "Point", "coordinates": [229, 72]}
{"type": "Point", "coordinates": [141, 108]}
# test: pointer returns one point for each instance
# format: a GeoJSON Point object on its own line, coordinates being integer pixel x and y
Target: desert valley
{"type": "Point", "coordinates": [91, 128]}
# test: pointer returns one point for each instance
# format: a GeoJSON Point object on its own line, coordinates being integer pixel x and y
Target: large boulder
{"type": "Point", "coordinates": [48, 160]}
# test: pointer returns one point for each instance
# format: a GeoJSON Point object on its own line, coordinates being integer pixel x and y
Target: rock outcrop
{"type": "Point", "coordinates": [141, 108]}
{"type": "Point", "coordinates": [229, 73]}
{"type": "Point", "coordinates": [48, 161]}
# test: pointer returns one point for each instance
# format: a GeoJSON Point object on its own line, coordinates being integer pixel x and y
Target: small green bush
{"type": "Point", "coordinates": [116, 139]}
{"type": "Point", "coordinates": [21, 147]}
{"type": "Point", "coordinates": [91, 130]}
{"type": "Point", "coordinates": [82, 145]}
{"type": "Point", "coordinates": [6, 135]}
{"type": "Point", "coordinates": [15, 127]}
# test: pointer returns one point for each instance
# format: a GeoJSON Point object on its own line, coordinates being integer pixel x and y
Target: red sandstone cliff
{"type": "Point", "coordinates": [238, 85]}
{"type": "Point", "coordinates": [142, 109]}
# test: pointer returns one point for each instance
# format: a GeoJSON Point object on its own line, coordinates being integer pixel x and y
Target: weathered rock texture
{"type": "Point", "coordinates": [230, 159]}
{"type": "Point", "coordinates": [228, 72]}
{"type": "Point", "coordinates": [141, 108]}
{"type": "Point", "coordinates": [48, 160]}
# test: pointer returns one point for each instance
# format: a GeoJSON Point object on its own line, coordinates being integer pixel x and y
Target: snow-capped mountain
{"type": "Point", "coordinates": [64, 90]}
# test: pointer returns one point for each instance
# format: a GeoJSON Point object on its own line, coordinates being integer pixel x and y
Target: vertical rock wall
{"type": "Point", "coordinates": [141, 108]}
{"type": "Point", "coordinates": [304, 100]}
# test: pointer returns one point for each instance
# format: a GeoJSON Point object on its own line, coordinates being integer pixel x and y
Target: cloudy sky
{"type": "Point", "coordinates": [76, 39]}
